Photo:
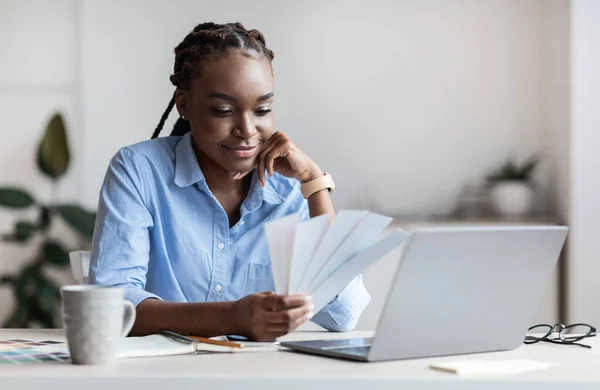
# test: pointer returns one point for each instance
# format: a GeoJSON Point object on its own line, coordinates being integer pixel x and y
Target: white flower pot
{"type": "Point", "coordinates": [512, 198]}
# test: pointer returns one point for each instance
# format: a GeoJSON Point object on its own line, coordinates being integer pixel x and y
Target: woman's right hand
{"type": "Point", "coordinates": [266, 316]}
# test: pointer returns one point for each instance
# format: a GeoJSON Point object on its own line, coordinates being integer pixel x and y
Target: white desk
{"type": "Point", "coordinates": [284, 370]}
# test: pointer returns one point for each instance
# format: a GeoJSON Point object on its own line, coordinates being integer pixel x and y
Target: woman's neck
{"type": "Point", "coordinates": [218, 179]}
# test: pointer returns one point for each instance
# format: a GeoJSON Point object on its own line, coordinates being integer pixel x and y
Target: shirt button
{"type": "Point", "coordinates": [221, 245]}
{"type": "Point", "coordinates": [218, 288]}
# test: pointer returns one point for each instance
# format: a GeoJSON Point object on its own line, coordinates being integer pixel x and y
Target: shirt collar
{"type": "Point", "coordinates": [257, 194]}
{"type": "Point", "coordinates": [188, 172]}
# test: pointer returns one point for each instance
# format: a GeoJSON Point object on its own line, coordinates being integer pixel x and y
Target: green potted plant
{"type": "Point", "coordinates": [37, 297]}
{"type": "Point", "coordinates": [512, 187]}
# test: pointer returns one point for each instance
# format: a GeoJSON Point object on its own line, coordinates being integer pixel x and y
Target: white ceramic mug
{"type": "Point", "coordinates": [95, 319]}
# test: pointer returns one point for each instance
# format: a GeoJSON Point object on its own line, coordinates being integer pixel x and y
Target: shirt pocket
{"type": "Point", "coordinates": [260, 279]}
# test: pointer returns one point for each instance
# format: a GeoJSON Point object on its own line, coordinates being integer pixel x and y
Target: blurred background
{"type": "Point", "coordinates": [435, 112]}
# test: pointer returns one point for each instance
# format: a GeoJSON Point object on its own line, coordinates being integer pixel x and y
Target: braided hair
{"type": "Point", "coordinates": [208, 41]}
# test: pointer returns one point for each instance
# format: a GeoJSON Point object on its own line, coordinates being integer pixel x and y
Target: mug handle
{"type": "Point", "coordinates": [128, 318]}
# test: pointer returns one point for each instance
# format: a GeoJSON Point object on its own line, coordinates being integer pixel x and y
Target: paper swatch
{"type": "Point", "coordinates": [320, 258]}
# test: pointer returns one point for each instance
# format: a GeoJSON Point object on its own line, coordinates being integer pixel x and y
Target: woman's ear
{"type": "Point", "coordinates": [181, 102]}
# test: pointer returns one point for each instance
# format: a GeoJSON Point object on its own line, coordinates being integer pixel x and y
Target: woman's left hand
{"type": "Point", "coordinates": [282, 156]}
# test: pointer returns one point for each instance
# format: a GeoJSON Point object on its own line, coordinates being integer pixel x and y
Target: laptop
{"type": "Point", "coordinates": [457, 291]}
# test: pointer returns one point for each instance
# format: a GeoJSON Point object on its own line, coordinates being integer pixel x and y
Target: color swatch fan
{"type": "Point", "coordinates": [320, 258]}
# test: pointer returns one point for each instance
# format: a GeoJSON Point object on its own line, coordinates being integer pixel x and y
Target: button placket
{"type": "Point", "coordinates": [221, 238]}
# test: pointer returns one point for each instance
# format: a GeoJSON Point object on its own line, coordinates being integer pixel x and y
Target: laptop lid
{"type": "Point", "coordinates": [466, 290]}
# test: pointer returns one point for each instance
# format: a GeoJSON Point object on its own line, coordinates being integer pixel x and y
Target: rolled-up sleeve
{"type": "Point", "coordinates": [121, 243]}
{"type": "Point", "coordinates": [342, 313]}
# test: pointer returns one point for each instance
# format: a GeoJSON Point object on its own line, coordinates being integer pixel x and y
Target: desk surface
{"type": "Point", "coordinates": [579, 368]}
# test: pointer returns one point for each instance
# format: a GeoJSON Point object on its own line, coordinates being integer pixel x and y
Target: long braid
{"type": "Point", "coordinates": [164, 117]}
{"type": "Point", "coordinates": [209, 41]}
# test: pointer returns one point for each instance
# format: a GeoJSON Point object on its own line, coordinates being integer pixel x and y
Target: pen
{"type": "Point", "coordinates": [195, 339]}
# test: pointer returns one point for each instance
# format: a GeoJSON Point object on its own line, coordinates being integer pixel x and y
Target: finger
{"type": "Point", "coordinates": [260, 170]}
{"type": "Point", "coordinates": [276, 152]}
{"type": "Point", "coordinates": [260, 159]}
{"type": "Point", "coordinates": [265, 158]}
{"type": "Point", "coordinates": [291, 316]}
{"type": "Point", "coordinates": [260, 167]}
{"type": "Point", "coordinates": [241, 175]}
{"type": "Point", "coordinates": [284, 302]}
{"type": "Point", "coordinates": [270, 156]}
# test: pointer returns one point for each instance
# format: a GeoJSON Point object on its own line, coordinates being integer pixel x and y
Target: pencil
{"type": "Point", "coordinates": [194, 339]}
{"type": "Point", "coordinates": [216, 342]}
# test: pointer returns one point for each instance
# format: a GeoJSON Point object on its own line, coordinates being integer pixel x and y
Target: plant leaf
{"type": "Point", "coordinates": [27, 282]}
{"type": "Point", "coordinates": [15, 198]}
{"type": "Point", "coordinates": [48, 297]}
{"type": "Point", "coordinates": [8, 280]}
{"type": "Point", "coordinates": [44, 218]}
{"type": "Point", "coordinates": [79, 219]}
{"type": "Point", "coordinates": [54, 253]}
{"type": "Point", "coordinates": [53, 152]}
{"type": "Point", "coordinates": [529, 167]}
{"type": "Point", "coordinates": [40, 314]}
{"type": "Point", "coordinates": [18, 318]}
{"type": "Point", "coordinates": [22, 232]}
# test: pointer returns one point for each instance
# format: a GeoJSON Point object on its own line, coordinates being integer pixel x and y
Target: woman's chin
{"type": "Point", "coordinates": [244, 167]}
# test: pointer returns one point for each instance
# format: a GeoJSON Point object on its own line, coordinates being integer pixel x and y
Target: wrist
{"type": "Point", "coordinates": [232, 318]}
{"type": "Point", "coordinates": [312, 174]}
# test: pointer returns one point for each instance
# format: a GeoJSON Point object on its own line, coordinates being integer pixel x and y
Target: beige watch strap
{"type": "Point", "coordinates": [318, 184]}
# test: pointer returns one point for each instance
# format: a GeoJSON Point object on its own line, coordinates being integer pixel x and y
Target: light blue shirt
{"type": "Point", "coordinates": [160, 233]}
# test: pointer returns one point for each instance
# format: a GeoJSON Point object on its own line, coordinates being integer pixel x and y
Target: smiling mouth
{"type": "Point", "coordinates": [241, 151]}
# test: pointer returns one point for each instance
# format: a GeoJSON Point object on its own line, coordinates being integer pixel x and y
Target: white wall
{"type": "Point", "coordinates": [420, 96]}
{"type": "Point", "coordinates": [555, 123]}
{"type": "Point", "coordinates": [555, 77]}
{"type": "Point", "coordinates": [38, 62]}
{"type": "Point", "coordinates": [410, 98]}
{"type": "Point", "coordinates": [584, 248]}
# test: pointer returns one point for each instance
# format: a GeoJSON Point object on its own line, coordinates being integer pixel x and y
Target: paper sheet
{"type": "Point", "coordinates": [353, 267]}
{"type": "Point", "coordinates": [362, 237]}
{"type": "Point", "coordinates": [308, 237]}
{"type": "Point", "coordinates": [492, 367]}
{"type": "Point", "coordinates": [321, 258]}
{"type": "Point", "coordinates": [343, 224]}
{"type": "Point", "coordinates": [280, 238]}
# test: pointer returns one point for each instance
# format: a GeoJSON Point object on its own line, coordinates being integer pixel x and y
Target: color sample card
{"type": "Point", "coordinates": [32, 351]}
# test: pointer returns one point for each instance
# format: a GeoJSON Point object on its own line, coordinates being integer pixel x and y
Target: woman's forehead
{"type": "Point", "coordinates": [236, 75]}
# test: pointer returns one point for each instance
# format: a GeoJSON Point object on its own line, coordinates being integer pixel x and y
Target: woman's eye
{"type": "Point", "coordinates": [262, 112]}
{"type": "Point", "coordinates": [222, 111]}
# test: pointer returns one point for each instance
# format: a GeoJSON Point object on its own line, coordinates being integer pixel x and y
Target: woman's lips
{"type": "Point", "coordinates": [241, 151]}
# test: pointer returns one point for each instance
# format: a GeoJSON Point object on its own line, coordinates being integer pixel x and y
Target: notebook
{"type": "Point", "coordinates": [158, 345]}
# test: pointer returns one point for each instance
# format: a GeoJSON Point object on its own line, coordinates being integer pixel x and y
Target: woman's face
{"type": "Point", "coordinates": [229, 109]}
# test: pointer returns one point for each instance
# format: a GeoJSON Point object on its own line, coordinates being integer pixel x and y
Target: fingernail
{"type": "Point", "coordinates": [308, 298]}
{"type": "Point", "coordinates": [309, 316]}
{"type": "Point", "coordinates": [311, 308]}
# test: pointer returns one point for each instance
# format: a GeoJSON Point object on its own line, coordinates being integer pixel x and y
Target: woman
{"type": "Point", "coordinates": [180, 219]}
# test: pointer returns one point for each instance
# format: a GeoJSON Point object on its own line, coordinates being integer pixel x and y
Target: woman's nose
{"type": "Point", "coordinates": [245, 128]}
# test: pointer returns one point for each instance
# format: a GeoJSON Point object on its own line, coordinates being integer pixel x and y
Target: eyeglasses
{"type": "Point", "coordinates": [560, 334]}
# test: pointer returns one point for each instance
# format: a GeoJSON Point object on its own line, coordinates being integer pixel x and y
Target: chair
{"type": "Point", "coordinates": [80, 265]}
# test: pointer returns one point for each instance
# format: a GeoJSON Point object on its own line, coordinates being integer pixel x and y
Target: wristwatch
{"type": "Point", "coordinates": [318, 184]}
